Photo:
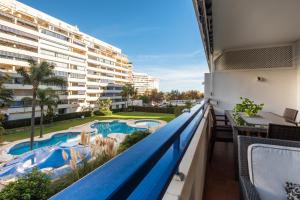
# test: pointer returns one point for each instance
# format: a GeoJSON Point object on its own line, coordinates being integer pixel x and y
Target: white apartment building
{"type": "Point", "coordinates": [93, 69]}
{"type": "Point", "coordinates": [143, 82]}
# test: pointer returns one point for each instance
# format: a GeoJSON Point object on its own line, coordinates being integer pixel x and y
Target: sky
{"type": "Point", "coordinates": [160, 37]}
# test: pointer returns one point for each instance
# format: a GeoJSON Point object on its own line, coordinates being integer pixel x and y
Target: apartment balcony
{"type": "Point", "coordinates": [96, 76]}
{"type": "Point", "coordinates": [76, 88]}
{"type": "Point", "coordinates": [19, 51]}
{"type": "Point", "coordinates": [19, 86]}
{"type": "Point", "coordinates": [92, 98]}
{"type": "Point", "coordinates": [14, 62]}
{"type": "Point", "coordinates": [95, 83]}
{"type": "Point", "coordinates": [18, 39]}
{"type": "Point", "coordinates": [81, 80]}
{"type": "Point", "coordinates": [67, 52]}
{"type": "Point", "coordinates": [93, 91]}
{"type": "Point", "coordinates": [21, 28]}
{"type": "Point", "coordinates": [76, 96]}
{"type": "Point", "coordinates": [111, 97]}
{"type": "Point", "coordinates": [113, 91]}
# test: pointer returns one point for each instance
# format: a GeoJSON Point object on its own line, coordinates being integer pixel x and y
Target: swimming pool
{"type": "Point", "coordinates": [42, 158]}
{"type": "Point", "coordinates": [106, 128]}
{"type": "Point", "coordinates": [147, 123]}
{"type": "Point", "coordinates": [55, 139]}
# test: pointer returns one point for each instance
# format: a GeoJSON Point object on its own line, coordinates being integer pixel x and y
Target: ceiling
{"type": "Point", "coordinates": [249, 23]}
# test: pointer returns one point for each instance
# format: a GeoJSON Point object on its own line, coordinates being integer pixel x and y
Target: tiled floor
{"type": "Point", "coordinates": [220, 183]}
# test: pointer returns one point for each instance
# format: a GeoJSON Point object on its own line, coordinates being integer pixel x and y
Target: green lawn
{"type": "Point", "coordinates": [22, 133]}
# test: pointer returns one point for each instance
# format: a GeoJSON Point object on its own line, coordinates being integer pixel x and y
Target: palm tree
{"type": "Point", "coordinates": [45, 97]}
{"type": "Point", "coordinates": [127, 92]}
{"type": "Point", "coordinates": [6, 95]}
{"type": "Point", "coordinates": [37, 74]}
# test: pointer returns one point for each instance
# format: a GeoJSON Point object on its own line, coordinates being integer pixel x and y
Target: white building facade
{"type": "Point", "coordinates": [143, 82]}
{"type": "Point", "coordinates": [93, 69]}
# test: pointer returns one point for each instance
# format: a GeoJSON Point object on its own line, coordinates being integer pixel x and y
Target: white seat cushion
{"type": "Point", "coordinates": [270, 167]}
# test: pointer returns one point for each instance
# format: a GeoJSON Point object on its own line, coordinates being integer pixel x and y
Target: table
{"type": "Point", "coordinates": [251, 126]}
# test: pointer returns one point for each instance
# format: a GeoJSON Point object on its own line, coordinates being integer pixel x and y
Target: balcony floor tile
{"type": "Point", "coordinates": [220, 183]}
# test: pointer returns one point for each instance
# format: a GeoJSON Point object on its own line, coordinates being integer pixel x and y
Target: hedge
{"type": "Point", "coordinates": [168, 110]}
{"type": "Point", "coordinates": [27, 122]}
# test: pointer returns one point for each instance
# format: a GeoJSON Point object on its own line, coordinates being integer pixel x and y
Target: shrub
{"type": "Point", "coordinates": [26, 122]}
{"type": "Point", "coordinates": [98, 113]}
{"type": "Point", "coordinates": [34, 185]}
{"type": "Point", "coordinates": [178, 110]}
{"type": "Point", "coordinates": [169, 110]}
{"type": "Point", "coordinates": [132, 139]}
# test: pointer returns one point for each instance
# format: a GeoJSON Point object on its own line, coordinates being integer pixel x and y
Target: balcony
{"type": "Point", "coordinates": [249, 55]}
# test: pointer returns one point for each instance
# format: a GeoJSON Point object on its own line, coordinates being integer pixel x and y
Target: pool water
{"type": "Point", "coordinates": [148, 123]}
{"type": "Point", "coordinates": [48, 153]}
{"type": "Point", "coordinates": [106, 128]}
{"type": "Point", "coordinates": [43, 158]}
{"type": "Point", "coordinates": [55, 139]}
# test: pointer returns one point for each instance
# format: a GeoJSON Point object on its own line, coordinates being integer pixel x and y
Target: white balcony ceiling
{"type": "Point", "coordinates": [250, 23]}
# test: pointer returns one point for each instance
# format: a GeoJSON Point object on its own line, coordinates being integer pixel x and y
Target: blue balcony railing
{"type": "Point", "coordinates": [145, 170]}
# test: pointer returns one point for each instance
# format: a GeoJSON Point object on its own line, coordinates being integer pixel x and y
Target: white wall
{"type": "Point", "coordinates": [297, 62]}
{"type": "Point", "coordinates": [207, 85]}
{"type": "Point", "coordinates": [277, 91]}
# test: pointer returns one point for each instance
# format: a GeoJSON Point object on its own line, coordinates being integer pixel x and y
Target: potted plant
{"type": "Point", "coordinates": [248, 107]}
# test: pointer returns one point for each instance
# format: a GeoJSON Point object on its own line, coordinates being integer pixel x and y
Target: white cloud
{"type": "Point", "coordinates": [181, 78]}
{"type": "Point", "coordinates": [182, 71]}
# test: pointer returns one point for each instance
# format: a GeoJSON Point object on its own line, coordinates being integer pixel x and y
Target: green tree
{"type": "Point", "coordinates": [127, 92]}
{"type": "Point", "coordinates": [144, 98]}
{"type": "Point", "coordinates": [188, 104]}
{"type": "Point", "coordinates": [173, 95]}
{"type": "Point", "coordinates": [37, 74]}
{"type": "Point", "coordinates": [45, 97]}
{"type": "Point", "coordinates": [104, 106]}
{"type": "Point", "coordinates": [156, 96]}
{"type": "Point", "coordinates": [6, 95]}
{"type": "Point", "coordinates": [132, 139]}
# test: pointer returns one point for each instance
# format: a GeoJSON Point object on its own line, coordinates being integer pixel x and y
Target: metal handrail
{"type": "Point", "coordinates": [128, 174]}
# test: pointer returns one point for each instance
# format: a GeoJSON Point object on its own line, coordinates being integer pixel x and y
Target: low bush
{"type": "Point", "coordinates": [27, 122]}
{"type": "Point", "coordinates": [116, 110]}
{"type": "Point", "coordinates": [98, 113]}
{"type": "Point", "coordinates": [72, 115]}
{"type": "Point", "coordinates": [178, 110]}
{"type": "Point", "coordinates": [132, 139]}
{"type": "Point", "coordinates": [34, 185]}
{"type": "Point", "coordinates": [168, 110]}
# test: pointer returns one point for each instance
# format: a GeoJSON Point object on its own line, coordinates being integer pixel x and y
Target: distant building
{"type": "Point", "coordinates": [92, 68]}
{"type": "Point", "coordinates": [143, 82]}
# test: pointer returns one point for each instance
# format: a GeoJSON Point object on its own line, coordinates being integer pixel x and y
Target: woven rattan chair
{"type": "Point", "coordinates": [283, 132]}
{"type": "Point", "coordinates": [290, 114]}
{"type": "Point", "coordinates": [221, 131]}
{"type": "Point", "coordinates": [248, 191]}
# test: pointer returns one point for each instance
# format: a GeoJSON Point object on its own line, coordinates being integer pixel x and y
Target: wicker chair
{"type": "Point", "coordinates": [248, 191]}
{"type": "Point", "coordinates": [283, 132]}
{"type": "Point", "coordinates": [290, 114]}
{"type": "Point", "coordinates": [221, 132]}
